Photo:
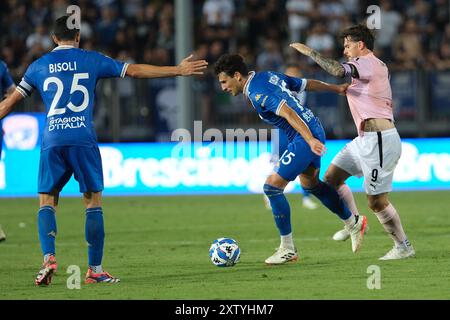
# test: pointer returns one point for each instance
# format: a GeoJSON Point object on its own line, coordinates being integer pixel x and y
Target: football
{"type": "Point", "coordinates": [224, 252]}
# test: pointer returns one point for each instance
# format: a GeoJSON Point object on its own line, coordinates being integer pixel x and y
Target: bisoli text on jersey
{"type": "Point", "coordinates": [62, 66]}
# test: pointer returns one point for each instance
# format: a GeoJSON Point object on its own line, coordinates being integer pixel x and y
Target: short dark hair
{"type": "Point", "coordinates": [230, 63]}
{"type": "Point", "coordinates": [359, 32]}
{"type": "Point", "coordinates": [62, 31]}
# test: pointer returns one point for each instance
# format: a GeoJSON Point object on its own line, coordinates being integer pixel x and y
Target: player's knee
{"type": "Point", "coordinates": [309, 182]}
{"type": "Point", "coordinates": [377, 204]}
{"type": "Point", "coordinates": [48, 200]}
{"type": "Point", "coordinates": [276, 181]}
{"type": "Point", "coordinates": [331, 180]}
{"type": "Point", "coordinates": [271, 191]}
{"type": "Point", "coordinates": [92, 199]}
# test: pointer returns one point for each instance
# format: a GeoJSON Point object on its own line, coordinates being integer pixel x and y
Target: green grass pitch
{"type": "Point", "coordinates": [158, 246]}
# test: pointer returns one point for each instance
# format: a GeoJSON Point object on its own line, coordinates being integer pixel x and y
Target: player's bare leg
{"type": "Point", "coordinates": [92, 199]}
{"type": "Point", "coordinates": [390, 220]}
{"type": "Point", "coordinates": [274, 188]}
{"type": "Point", "coordinates": [48, 203]}
{"type": "Point", "coordinates": [310, 178]}
{"type": "Point", "coordinates": [49, 199]}
{"type": "Point", "coordinates": [355, 226]}
{"type": "Point", "coordinates": [95, 235]}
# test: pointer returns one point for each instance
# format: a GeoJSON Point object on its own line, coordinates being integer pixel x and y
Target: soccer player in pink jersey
{"type": "Point", "coordinates": [374, 153]}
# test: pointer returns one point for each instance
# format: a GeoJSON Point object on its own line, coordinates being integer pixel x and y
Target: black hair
{"type": "Point", "coordinates": [229, 64]}
{"type": "Point", "coordinates": [359, 32]}
{"type": "Point", "coordinates": [62, 31]}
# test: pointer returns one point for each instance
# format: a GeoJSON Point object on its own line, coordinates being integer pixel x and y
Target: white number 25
{"type": "Point", "coordinates": [54, 110]}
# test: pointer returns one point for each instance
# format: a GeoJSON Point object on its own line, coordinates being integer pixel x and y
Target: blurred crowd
{"type": "Point", "coordinates": [413, 34]}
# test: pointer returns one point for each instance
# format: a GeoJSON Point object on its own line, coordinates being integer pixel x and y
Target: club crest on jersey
{"type": "Point", "coordinates": [274, 79]}
{"type": "Point", "coordinates": [62, 66]}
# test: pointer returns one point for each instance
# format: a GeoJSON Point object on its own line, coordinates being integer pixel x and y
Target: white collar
{"type": "Point", "coordinates": [65, 46]}
{"type": "Point", "coordinates": [251, 75]}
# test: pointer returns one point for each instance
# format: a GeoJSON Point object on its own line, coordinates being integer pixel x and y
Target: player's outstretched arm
{"type": "Point", "coordinates": [10, 90]}
{"type": "Point", "coordinates": [316, 85]}
{"type": "Point", "coordinates": [7, 105]}
{"type": "Point", "coordinates": [331, 66]}
{"type": "Point", "coordinates": [295, 121]}
{"type": "Point", "coordinates": [187, 67]}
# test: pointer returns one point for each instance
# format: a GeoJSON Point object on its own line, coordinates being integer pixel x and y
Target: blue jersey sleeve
{"type": "Point", "coordinates": [296, 84]}
{"type": "Point", "coordinates": [6, 79]}
{"type": "Point", "coordinates": [109, 68]}
{"type": "Point", "coordinates": [27, 85]}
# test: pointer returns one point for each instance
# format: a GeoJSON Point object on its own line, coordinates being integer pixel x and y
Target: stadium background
{"type": "Point", "coordinates": [414, 41]}
{"type": "Point", "coordinates": [158, 246]}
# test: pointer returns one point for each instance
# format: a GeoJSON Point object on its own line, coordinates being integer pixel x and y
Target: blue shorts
{"type": "Point", "coordinates": [298, 157]}
{"type": "Point", "coordinates": [57, 164]}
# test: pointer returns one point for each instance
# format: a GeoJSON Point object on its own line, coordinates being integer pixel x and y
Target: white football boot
{"type": "Point", "coordinates": [343, 234]}
{"type": "Point", "coordinates": [399, 252]}
{"type": "Point", "coordinates": [2, 234]}
{"type": "Point", "coordinates": [308, 203]}
{"type": "Point", "coordinates": [357, 232]}
{"type": "Point", "coordinates": [282, 255]}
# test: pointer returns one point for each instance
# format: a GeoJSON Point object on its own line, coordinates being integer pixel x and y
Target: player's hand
{"type": "Point", "coordinates": [317, 147]}
{"type": "Point", "coordinates": [302, 48]}
{"type": "Point", "coordinates": [342, 89]}
{"type": "Point", "coordinates": [188, 67]}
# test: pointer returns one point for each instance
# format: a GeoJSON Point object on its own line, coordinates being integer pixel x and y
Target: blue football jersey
{"type": "Point", "coordinates": [66, 78]}
{"type": "Point", "coordinates": [267, 91]}
{"type": "Point", "coordinates": [5, 79]}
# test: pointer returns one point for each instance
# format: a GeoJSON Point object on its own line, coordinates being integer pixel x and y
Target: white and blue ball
{"type": "Point", "coordinates": [224, 252]}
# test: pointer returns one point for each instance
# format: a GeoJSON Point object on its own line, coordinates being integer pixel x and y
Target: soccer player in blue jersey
{"type": "Point", "coordinates": [7, 87]}
{"type": "Point", "coordinates": [293, 70]}
{"type": "Point", "coordinates": [280, 140]}
{"type": "Point", "coordinates": [66, 79]}
{"type": "Point", "coordinates": [272, 96]}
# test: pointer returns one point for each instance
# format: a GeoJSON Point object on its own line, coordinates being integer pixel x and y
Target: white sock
{"type": "Point", "coordinates": [390, 220]}
{"type": "Point", "coordinates": [350, 222]}
{"type": "Point", "coordinates": [96, 269]}
{"type": "Point", "coordinates": [287, 242]}
{"type": "Point", "coordinates": [346, 195]}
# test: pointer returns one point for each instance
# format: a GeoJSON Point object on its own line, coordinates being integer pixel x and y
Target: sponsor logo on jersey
{"type": "Point", "coordinates": [66, 123]}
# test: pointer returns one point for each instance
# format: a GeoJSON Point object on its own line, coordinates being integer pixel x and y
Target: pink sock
{"type": "Point", "coordinates": [346, 194]}
{"type": "Point", "coordinates": [390, 220]}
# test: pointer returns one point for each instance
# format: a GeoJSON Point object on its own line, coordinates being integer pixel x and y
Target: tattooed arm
{"type": "Point", "coordinates": [331, 66]}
